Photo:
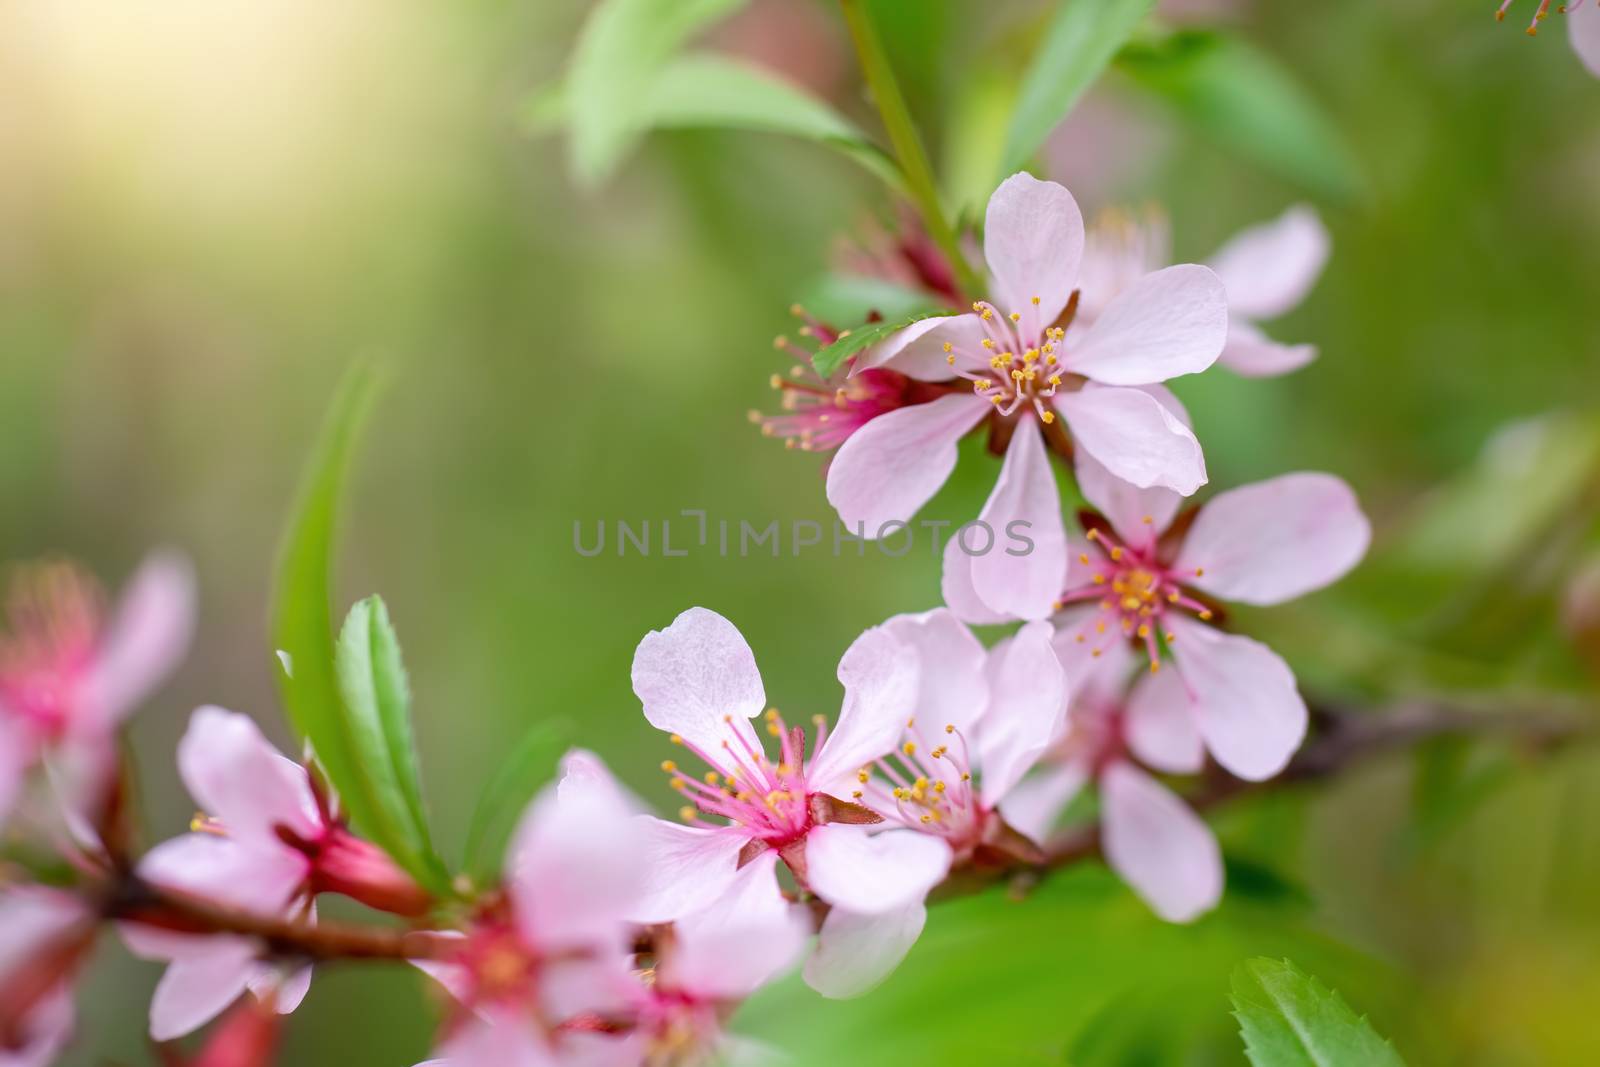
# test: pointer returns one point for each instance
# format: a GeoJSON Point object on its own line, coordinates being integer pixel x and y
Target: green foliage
{"type": "Point", "coordinates": [377, 704]}
{"type": "Point", "coordinates": [1289, 1019]}
{"type": "Point", "coordinates": [527, 767]}
{"type": "Point", "coordinates": [350, 722]}
{"type": "Point", "coordinates": [852, 298]}
{"type": "Point", "coordinates": [1248, 102]}
{"type": "Point", "coordinates": [833, 356]}
{"type": "Point", "coordinates": [1080, 43]}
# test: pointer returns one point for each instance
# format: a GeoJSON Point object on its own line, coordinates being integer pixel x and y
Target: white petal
{"type": "Point", "coordinates": [1275, 540]}
{"type": "Point", "coordinates": [1160, 727]}
{"type": "Point", "coordinates": [1243, 697]}
{"type": "Point", "coordinates": [880, 678]}
{"type": "Point", "coordinates": [687, 867]}
{"type": "Point", "coordinates": [1034, 805]}
{"type": "Point", "coordinates": [1169, 323]}
{"type": "Point", "coordinates": [1033, 243]}
{"type": "Point", "coordinates": [744, 939]}
{"type": "Point", "coordinates": [1139, 516]}
{"type": "Point", "coordinates": [1268, 269]}
{"type": "Point", "coordinates": [1022, 575]}
{"type": "Point", "coordinates": [1027, 706]}
{"type": "Point", "coordinates": [698, 679]}
{"type": "Point", "coordinates": [955, 580]}
{"type": "Point", "coordinates": [857, 952]}
{"type": "Point", "coordinates": [1135, 437]}
{"type": "Point", "coordinates": [194, 990]}
{"type": "Point", "coordinates": [918, 350]}
{"type": "Point", "coordinates": [873, 873]}
{"type": "Point", "coordinates": [888, 469]}
{"type": "Point", "coordinates": [951, 684]}
{"type": "Point", "coordinates": [1159, 846]}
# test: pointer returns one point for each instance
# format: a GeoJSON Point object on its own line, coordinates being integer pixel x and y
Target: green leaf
{"type": "Point", "coordinates": [1244, 100]}
{"type": "Point", "coordinates": [1080, 43]}
{"type": "Point", "coordinates": [832, 356]}
{"type": "Point", "coordinates": [377, 701]}
{"type": "Point", "coordinates": [610, 87]}
{"type": "Point", "coordinates": [1289, 1019]}
{"type": "Point", "coordinates": [519, 777]}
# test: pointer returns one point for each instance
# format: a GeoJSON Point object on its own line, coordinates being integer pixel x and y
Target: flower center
{"type": "Point", "coordinates": [1135, 591]}
{"type": "Point", "coordinates": [53, 614]}
{"type": "Point", "coordinates": [1019, 364]}
{"type": "Point", "coordinates": [926, 786]}
{"type": "Point", "coordinates": [768, 798]}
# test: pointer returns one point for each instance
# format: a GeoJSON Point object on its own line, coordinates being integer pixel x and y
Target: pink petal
{"type": "Point", "coordinates": [1125, 506]}
{"type": "Point", "coordinates": [696, 674]}
{"type": "Point", "coordinates": [1159, 847]}
{"type": "Point", "coordinates": [1160, 729]}
{"type": "Point", "coordinates": [1583, 27]}
{"type": "Point", "coordinates": [31, 918]}
{"type": "Point", "coordinates": [582, 771]}
{"type": "Point", "coordinates": [1097, 667]}
{"type": "Point", "coordinates": [1275, 540]}
{"type": "Point", "coordinates": [196, 988]}
{"type": "Point", "coordinates": [1034, 805]}
{"type": "Point", "coordinates": [1169, 323]}
{"type": "Point", "coordinates": [245, 874]}
{"type": "Point", "coordinates": [1033, 243]}
{"type": "Point", "coordinates": [1022, 574]}
{"type": "Point", "coordinates": [880, 678]}
{"type": "Point", "coordinates": [501, 1038]}
{"type": "Point", "coordinates": [1243, 697]}
{"type": "Point", "coordinates": [890, 467]}
{"type": "Point", "coordinates": [1269, 269]}
{"type": "Point", "coordinates": [44, 1032]}
{"type": "Point", "coordinates": [857, 952]}
{"type": "Point", "coordinates": [955, 582]}
{"type": "Point", "coordinates": [951, 684]}
{"type": "Point", "coordinates": [745, 938]}
{"type": "Point", "coordinates": [574, 866]}
{"type": "Point", "coordinates": [286, 990]}
{"type": "Point", "coordinates": [239, 778]}
{"type": "Point", "coordinates": [1027, 707]}
{"type": "Point", "coordinates": [872, 873]}
{"type": "Point", "coordinates": [918, 350]}
{"type": "Point", "coordinates": [146, 638]}
{"type": "Point", "coordinates": [687, 867]}
{"type": "Point", "coordinates": [1135, 437]}
{"type": "Point", "coordinates": [1253, 354]}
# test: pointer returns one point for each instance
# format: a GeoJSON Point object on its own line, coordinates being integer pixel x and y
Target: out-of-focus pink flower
{"type": "Point", "coordinates": [1150, 837]}
{"type": "Point", "coordinates": [538, 978]}
{"type": "Point", "coordinates": [1140, 582]}
{"type": "Point", "coordinates": [266, 844]}
{"type": "Point", "coordinates": [698, 681]}
{"type": "Point", "coordinates": [983, 719]}
{"type": "Point", "coordinates": [248, 1036]}
{"type": "Point", "coordinates": [44, 936]}
{"type": "Point", "coordinates": [69, 674]}
{"type": "Point", "coordinates": [1583, 27]}
{"type": "Point", "coordinates": [1028, 360]}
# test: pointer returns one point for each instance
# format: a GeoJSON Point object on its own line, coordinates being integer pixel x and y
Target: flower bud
{"type": "Point", "coordinates": [345, 864]}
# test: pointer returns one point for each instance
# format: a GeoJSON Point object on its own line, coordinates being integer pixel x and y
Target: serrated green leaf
{"type": "Point", "coordinates": [377, 703]}
{"type": "Point", "coordinates": [615, 64]}
{"type": "Point", "coordinates": [529, 765]}
{"type": "Point", "coordinates": [1080, 43]}
{"type": "Point", "coordinates": [1246, 101]}
{"type": "Point", "coordinates": [831, 357]}
{"type": "Point", "coordinates": [1289, 1019]}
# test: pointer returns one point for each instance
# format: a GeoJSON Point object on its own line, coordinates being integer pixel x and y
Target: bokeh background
{"type": "Point", "coordinates": [208, 209]}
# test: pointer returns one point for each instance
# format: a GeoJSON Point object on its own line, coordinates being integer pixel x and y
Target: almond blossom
{"type": "Point", "coordinates": [1021, 360]}
{"type": "Point", "coordinates": [1150, 837]}
{"type": "Point", "coordinates": [45, 935]}
{"type": "Point", "coordinates": [983, 718]}
{"type": "Point", "coordinates": [70, 673]}
{"type": "Point", "coordinates": [697, 680]}
{"type": "Point", "coordinates": [1583, 27]}
{"type": "Point", "coordinates": [266, 843]}
{"type": "Point", "coordinates": [541, 970]}
{"type": "Point", "coordinates": [1146, 579]}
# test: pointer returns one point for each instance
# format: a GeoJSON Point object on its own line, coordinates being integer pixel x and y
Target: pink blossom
{"type": "Point", "coordinates": [1150, 837]}
{"type": "Point", "coordinates": [983, 719]}
{"type": "Point", "coordinates": [69, 674]}
{"type": "Point", "coordinates": [266, 844]}
{"type": "Point", "coordinates": [698, 681]}
{"type": "Point", "coordinates": [1583, 27]}
{"type": "Point", "coordinates": [44, 937]}
{"type": "Point", "coordinates": [1028, 360]}
{"type": "Point", "coordinates": [1143, 579]}
{"type": "Point", "coordinates": [555, 950]}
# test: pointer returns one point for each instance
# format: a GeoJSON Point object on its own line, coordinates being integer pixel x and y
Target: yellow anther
{"type": "Point", "coordinates": [948, 346]}
{"type": "Point", "coordinates": [1116, 554]}
{"type": "Point", "coordinates": [1155, 666]}
{"type": "Point", "coordinates": [711, 777]}
{"type": "Point", "coordinates": [988, 344]}
{"type": "Point", "coordinates": [950, 360]}
{"type": "Point", "coordinates": [1199, 572]}
{"type": "Point", "coordinates": [776, 381]}
{"type": "Point", "coordinates": [938, 787]}
{"type": "Point", "coordinates": [1035, 301]}
{"type": "Point", "coordinates": [1083, 557]}
{"type": "Point", "coordinates": [855, 794]}
{"type": "Point", "coordinates": [687, 813]}
{"type": "Point", "coordinates": [1144, 631]}
{"type": "Point", "coordinates": [1148, 520]}
{"type": "Point", "coordinates": [675, 739]}
{"type": "Point", "coordinates": [1205, 616]}
{"type": "Point", "coordinates": [774, 729]}
{"type": "Point", "coordinates": [909, 748]}
{"type": "Point", "coordinates": [1016, 376]}
{"type": "Point", "coordinates": [1048, 417]}
{"type": "Point", "coordinates": [949, 727]}
{"type": "Point", "coordinates": [1093, 535]}
{"type": "Point", "coordinates": [1099, 579]}
{"type": "Point", "coordinates": [668, 766]}
{"type": "Point", "coordinates": [677, 783]}
{"type": "Point", "coordinates": [1055, 379]}
{"type": "Point", "coordinates": [862, 776]}
{"type": "Point", "coordinates": [966, 777]}
{"type": "Point", "coordinates": [1016, 316]}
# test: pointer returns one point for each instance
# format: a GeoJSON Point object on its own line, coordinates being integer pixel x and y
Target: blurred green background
{"type": "Point", "coordinates": [207, 209]}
